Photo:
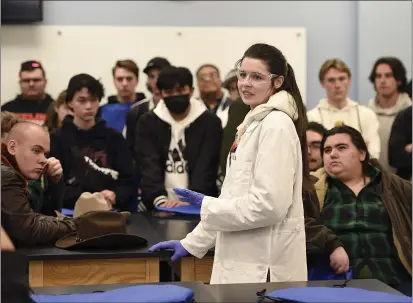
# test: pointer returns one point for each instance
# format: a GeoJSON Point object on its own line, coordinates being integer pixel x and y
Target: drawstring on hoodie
{"type": "Point", "coordinates": [358, 118]}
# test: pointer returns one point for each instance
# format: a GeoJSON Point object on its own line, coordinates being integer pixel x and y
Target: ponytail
{"type": "Point", "coordinates": [290, 86]}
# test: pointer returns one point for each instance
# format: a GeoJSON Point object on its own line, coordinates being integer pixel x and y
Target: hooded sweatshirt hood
{"type": "Point", "coordinates": [403, 101]}
{"type": "Point", "coordinates": [281, 101]}
{"type": "Point", "coordinates": [197, 109]}
{"type": "Point", "coordinates": [386, 117]}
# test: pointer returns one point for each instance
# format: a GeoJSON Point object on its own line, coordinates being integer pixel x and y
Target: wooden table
{"type": "Point", "coordinates": [50, 266]}
{"type": "Point", "coordinates": [172, 226]}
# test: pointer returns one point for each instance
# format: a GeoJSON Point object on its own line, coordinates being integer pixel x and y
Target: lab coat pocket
{"type": "Point", "coordinates": [242, 172]}
{"type": "Point", "coordinates": [240, 179]}
{"type": "Point", "coordinates": [241, 272]}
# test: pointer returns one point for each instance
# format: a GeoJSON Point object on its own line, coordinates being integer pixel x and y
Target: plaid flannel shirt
{"type": "Point", "coordinates": [363, 226]}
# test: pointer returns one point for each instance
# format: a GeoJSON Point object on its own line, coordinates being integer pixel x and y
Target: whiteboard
{"type": "Point", "coordinates": [67, 50]}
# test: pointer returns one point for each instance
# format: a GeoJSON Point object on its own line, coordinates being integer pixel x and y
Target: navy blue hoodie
{"type": "Point", "coordinates": [94, 160]}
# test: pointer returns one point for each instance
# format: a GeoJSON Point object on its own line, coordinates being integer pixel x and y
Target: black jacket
{"type": "Point", "coordinates": [132, 119]}
{"type": "Point", "coordinates": [400, 136]}
{"type": "Point", "coordinates": [203, 142]}
{"type": "Point", "coordinates": [34, 110]}
{"type": "Point", "coordinates": [236, 115]}
{"type": "Point", "coordinates": [114, 99]}
{"type": "Point", "coordinates": [107, 149]}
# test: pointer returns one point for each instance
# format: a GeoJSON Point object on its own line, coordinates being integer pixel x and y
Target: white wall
{"type": "Point", "coordinates": [66, 50]}
{"type": "Point", "coordinates": [385, 29]}
{"type": "Point", "coordinates": [326, 35]}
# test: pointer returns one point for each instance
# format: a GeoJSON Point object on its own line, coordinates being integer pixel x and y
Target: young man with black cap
{"type": "Point", "coordinates": [95, 157]}
{"type": "Point", "coordinates": [181, 141]}
{"type": "Point", "coordinates": [152, 70]}
{"type": "Point", "coordinates": [33, 102]}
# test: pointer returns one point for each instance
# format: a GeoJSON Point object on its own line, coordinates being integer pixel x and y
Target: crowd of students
{"type": "Point", "coordinates": [135, 150]}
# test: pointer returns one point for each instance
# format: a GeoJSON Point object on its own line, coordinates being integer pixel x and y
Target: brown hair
{"type": "Point", "coordinates": [333, 63]}
{"type": "Point", "coordinates": [8, 120]}
{"type": "Point", "coordinates": [127, 64]}
{"type": "Point", "coordinates": [52, 120]}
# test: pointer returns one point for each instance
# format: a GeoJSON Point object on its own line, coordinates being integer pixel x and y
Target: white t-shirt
{"type": "Point", "coordinates": [176, 172]}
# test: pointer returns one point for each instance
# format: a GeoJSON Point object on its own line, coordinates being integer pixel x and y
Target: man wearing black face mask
{"type": "Point", "coordinates": [182, 143]}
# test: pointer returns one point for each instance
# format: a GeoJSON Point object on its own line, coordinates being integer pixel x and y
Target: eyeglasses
{"type": "Point", "coordinates": [208, 77]}
{"type": "Point", "coordinates": [315, 145]}
{"type": "Point", "coordinates": [254, 77]}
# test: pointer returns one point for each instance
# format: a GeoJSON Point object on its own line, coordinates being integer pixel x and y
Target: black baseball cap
{"type": "Point", "coordinates": [77, 82]}
{"type": "Point", "coordinates": [157, 62]}
{"type": "Point", "coordinates": [31, 65]}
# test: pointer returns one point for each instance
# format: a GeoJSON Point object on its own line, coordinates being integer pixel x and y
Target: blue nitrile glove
{"type": "Point", "coordinates": [179, 250]}
{"type": "Point", "coordinates": [189, 196]}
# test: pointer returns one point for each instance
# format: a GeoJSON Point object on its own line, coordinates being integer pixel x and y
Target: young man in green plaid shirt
{"type": "Point", "coordinates": [366, 212]}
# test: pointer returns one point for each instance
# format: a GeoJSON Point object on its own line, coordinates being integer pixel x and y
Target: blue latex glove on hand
{"type": "Point", "coordinates": [179, 250]}
{"type": "Point", "coordinates": [189, 196]}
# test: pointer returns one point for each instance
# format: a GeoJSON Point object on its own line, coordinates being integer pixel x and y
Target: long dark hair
{"type": "Point", "coordinates": [397, 68]}
{"type": "Point", "coordinates": [278, 65]}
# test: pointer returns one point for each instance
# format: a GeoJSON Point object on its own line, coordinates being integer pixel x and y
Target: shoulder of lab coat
{"type": "Point", "coordinates": [370, 128]}
{"type": "Point", "coordinates": [199, 241]}
{"type": "Point", "coordinates": [271, 192]}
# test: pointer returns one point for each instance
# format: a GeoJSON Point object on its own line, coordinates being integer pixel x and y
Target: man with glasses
{"type": "Point", "coordinates": [181, 143]}
{"type": "Point", "coordinates": [216, 99]}
{"type": "Point", "coordinates": [33, 102]}
{"type": "Point", "coordinates": [315, 133]}
{"type": "Point", "coordinates": [338, 109]}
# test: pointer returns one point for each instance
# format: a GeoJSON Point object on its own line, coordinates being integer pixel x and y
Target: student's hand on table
{"type": "Point", "coordinates": [189, 196]}
{"type": "Point", "coordinates": [53, 169]}
{"type": "Point", "coordinates": [109, 196]}
{"type": "Point", "coordinates": [339, 261]}
{"type": "Point", "coordinates": [171, 204]}
{"type": "Point", "coordinates": [179, 250]}
{"type": "Point", "coordinates": [408, 148]}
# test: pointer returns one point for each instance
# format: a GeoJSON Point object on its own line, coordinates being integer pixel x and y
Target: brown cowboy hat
{"type": "Point", "coordinates": [101, 229]}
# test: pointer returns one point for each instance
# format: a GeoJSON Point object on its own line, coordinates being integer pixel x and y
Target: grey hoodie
{"type": "Point", "coordinates": [386, 118]}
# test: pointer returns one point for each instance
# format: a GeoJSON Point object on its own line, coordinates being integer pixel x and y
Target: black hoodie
{"type": "Point", "coordinates": [114, 99]}
{"type": "Point", "coordinates": [30, 110]}
{"type": "Point", "coordinates": [94, 160]}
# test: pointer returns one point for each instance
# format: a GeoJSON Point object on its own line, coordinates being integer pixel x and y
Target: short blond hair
{"type": "Point", "coordinates": [8, 120]}
{"type": "Point", "coordinates": [333, 63]}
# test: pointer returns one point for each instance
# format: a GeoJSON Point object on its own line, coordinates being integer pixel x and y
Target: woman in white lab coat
{"type": "Point", "coordinates": [257, 223]}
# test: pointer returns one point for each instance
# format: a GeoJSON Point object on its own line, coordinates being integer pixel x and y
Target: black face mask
{"type": "Point", "coordinates": [177, 104]}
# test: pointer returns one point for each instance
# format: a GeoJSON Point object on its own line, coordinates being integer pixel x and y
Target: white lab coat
{"type": "Point", "coordinates": [257, 223]}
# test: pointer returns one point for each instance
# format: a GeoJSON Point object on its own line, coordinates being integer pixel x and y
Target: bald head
{"type": "Point", "coordinates": [21, 130]}
{"type": "Point", "coordinates": [29, 143]}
